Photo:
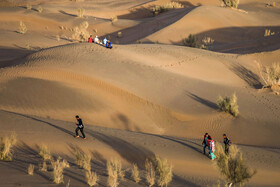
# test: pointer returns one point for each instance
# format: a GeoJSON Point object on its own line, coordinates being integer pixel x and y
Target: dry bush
{"type": "Point", "coordinates": [79, 154]}
{"type": "Point", "coordinates": [164, 170]}
{"type": "Point", "coordinates": [114, 19]}
{"type": "Point", "coordinates": [81, 12]}
{"type": "Point", "coordinates": [228, 104]}
{"type": "Point", "coordinates": [135, 173]}
{"type": "Point", "coordinates": [45, 153]}
{"type": "Point", "coordinates": [114, 169]}
{"type": "Point", "coordinates": [22, 28]}
{"type": "Point", "coordinates": [6, 146]}
{"type": "Point", "coordinates": [80, 33]}
{"type": "Point", "coordinates": [86, 162]}
{"type": "Point", "coordinates": [120, 34]}
{"type": "Point", "coordinates": [150, 173]}
{"type": "Point", "coordinates": [28, 7]}
{"type": "Point", "coordinates": [273, 75]}
{"type": "Point", "coordinates": [68, 183]}
{"type": "Point", "coordinates": [92, 178]}
{"type": "Point", "coordinates": [43, 166]}
{"type": "Point", "coordinates": [83, 160]}
{"type": "Point", "coordinates": [30, 169]}
{"type": "Point", "coordinates": [232, 166]}
{"type": "Point", "coordinates": [231, 3]}
{"type": "Point", "coordinates": [58, 167]}
{"type": "Point", "coordinates": [39, 9]}
{"type": "Point", "coordinates": [268, 32]}
{"type": "Point", "coordinates": [163, 8]}
{"type": "Point", "coordinates": [208, 41]}
{"type": "Point", "coordinates": [190, 41]}
{"type": "Point", "coordinates": [57, 38]}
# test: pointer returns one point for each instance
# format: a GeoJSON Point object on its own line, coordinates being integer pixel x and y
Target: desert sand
{"type": "Point", "coordinates": [149, 95]}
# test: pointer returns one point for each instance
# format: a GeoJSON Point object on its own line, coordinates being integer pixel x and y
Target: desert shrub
{"type": "Point", "coordinates": [208, 41]}
{"type": "Point", "coordinates": [22, 28]}
{"type": "Point", "coordinates": [92, 178]}
{"type": "Point", "coordinates": [28, 7]}
{"type": "Point", "coordinates": [86, 162]}
{"type": "Point", "coordinates": [190, 41]}
{"type": "Point", "coordinates": [232, 166]}
{"type": "Point", "coordinates": [58, 167]}
{"type": "Point", "coordinates": [43, 166]}
{"type": "Point", "coordinates": [6, 146]}
{"type": "Point", "coordinates": [164, 170]}
{"type": "Point", "coordinates": [45, 153]}
{"type": "Point", "coordinates": [150, 173]}
{"type": "Point", "coordinates": [81, 12]}
{"type": "Point", "coordinates": [83, 160]}
{"type": "Point", "coordinates": [30, 169]}
{"type": "Point", "coordinates": [135, 173]}
{"type": "Point", "coordinates": [268, 32]}
{"type": "Point", "coordinates": [231, 3]}
{"type": "Point", "coordinates": [80, 32]}
{"type": "Point", "coordinates": [39, 9]}
{"type": "Point", "coordinates": [163, 8]}
{"type": "Point", "coordinates": [114, 19]}
{"type": "Point", "coordinates": [273, 74]}
{"type": "Point", "coordinates": [120, 34]}
{"type": "Point", "coordinates": [57, 38]}
{"type": "Point", "coordinates": [114, 169]}
{"type": "Point", "coordinates": [228, 104]}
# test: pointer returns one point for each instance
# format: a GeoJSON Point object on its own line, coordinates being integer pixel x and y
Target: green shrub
{"type": "Point", "coordinates": [228, 104]}
{"type": "Point", "coordinates": [190, 41]}
{"type": "Point", "coordinates": [232, 166]}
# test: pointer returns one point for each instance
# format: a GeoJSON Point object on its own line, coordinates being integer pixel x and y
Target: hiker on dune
{"type": "Point", "coordinates": [80, 127]}
{"type": "Point", "coordinates": [204, 142]}
{"type": "Point", "coordinates": [90, 40]}
{"type": "Point", "coordinates": [105, 41]}
{"type": "Point", "coordinates": [227, 143]}
{"type": "Point", "coordinates": [96, 40]}
{"type": "Point", "coordinates": [108, 44]}
{"type": "Point", "coordinates": [212, 148]}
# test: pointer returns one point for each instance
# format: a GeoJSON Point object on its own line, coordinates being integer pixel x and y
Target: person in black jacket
{"type": "Point", "coordinates": [80, 127]}
{"type": "Point", "coordinates": [227, 143]}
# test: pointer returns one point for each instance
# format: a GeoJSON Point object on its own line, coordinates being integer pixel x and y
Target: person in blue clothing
{"type": "Point", "coordinates": [204, 142]}
{"type": "Point", "coordinates": [108, 44]}
{"type": "Point", "coordinates": [105, 41]}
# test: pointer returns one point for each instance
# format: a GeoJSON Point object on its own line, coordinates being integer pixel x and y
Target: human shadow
{"type": "Point", "coordinates": [203, 101]}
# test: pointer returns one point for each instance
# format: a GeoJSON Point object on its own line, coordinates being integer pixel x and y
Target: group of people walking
{"type": "Point", "coordinates": [105, 42]}
{"type": "Point", "coordinates": [209, 143]}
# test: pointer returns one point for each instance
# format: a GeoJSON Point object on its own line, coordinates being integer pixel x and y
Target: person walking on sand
{"type": "Point", "coordinates": [90, 40]}
{"type": "Point", "coordinates": [212, 148]}
{"type": "Point", "coordinates": [80, 127]}
{"type": "Point", "coordinates": [96, 40]}
{"type": "Point", "coordinates": [227, 143]}
{"type": "Point", "coordinates": [204, 142]}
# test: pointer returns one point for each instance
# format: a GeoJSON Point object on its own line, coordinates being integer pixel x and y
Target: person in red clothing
{"type": "Point", "coordinates": [90, 39]}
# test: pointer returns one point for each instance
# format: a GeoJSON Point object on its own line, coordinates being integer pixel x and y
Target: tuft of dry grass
{"type": "Point", "coordinates": [150, 173]}
{"type": "Point", "coordinates": [28, 7]}
{"type": "Point", "coordinates": [22, 28]}
{"type": "Point", "coordinates": [81, 12]}
{"type": "Point", "coordinates": [6, 146]}
{"type": "Point", "coordinates": [231, 3]}
{"type": "Point", "coordinates": [30, 169]}
{"type": "Point", "coordinates": [39, 9]}
{"type": "Point", "coordinates": [135, 173]}
{"type": "Point", "coordinates": [120, 35]}
{"type": "Point", "coordinates": [86, 162]}
{"type": "Point", "coordinates": [58, 168]}
{"type": "Point", "coordinates": [273, 74]}
{"type": "Point", "coordinates": [114, 19]}
{"type": "Point", "coordinates": [43, 166]}
{"type": "Point", "coordinates": [80, 33]}
{"type": "Point", "coordinates": [190, 41]}
{"type": "Point", "coordinates": [92, 178]}
{"type": "Point", "coordinates": [164, 170]}
{"type": "Point", "coordinates": [232, 166]}
{"type": "Point", "coordinates": [114, 169]}
{"type": "Point", "coordinates": [83, 160]}
{"type": "Point", "coordinates": [57, 38]}
{"type": "Point", "coordinates": [45, 153]}
{"type": "Point", "coordinates": [163, 8]}
{"type": "Point", "coordinates": [228, 104]}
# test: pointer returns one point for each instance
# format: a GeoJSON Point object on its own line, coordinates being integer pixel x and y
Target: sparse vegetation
{"type": "Point", "coordinates": [164, 170]}
{"type": "Point", "coordinates": [232, 166]}
{"type": "Point", "coordinates": [39, 9]}
{"type": "Point", "coordinates": [114, 19]}
{"type": "Point", "coordinates": [231, 3]}
{"type": "Point", "coordinates": [268, 32]}
{"type": "Point", "coordinates": [92, 178]}
{"type": "Point", "coordinates": [207, 41]}
{"type": "Point", "coordinates": [83, 160]}
{"type": "Point", "coordinates": [190, 41]}
{"type": "Point", "coordinates": [30, 169]}
{"type": "Point", "coordinates": [120, 34]}
{"type": "Point", "coordinates": [57, 38]}
{"type": "Point", "coordinates": [272, 75]}
{"type": "Point", "coordinates": [228, 104]}
{"type": "Point", "coordinates": [163, 8]}
{"type": "Point", "coordinates": [28, 7]}
{"type": "Point", "coordinates": [86, 162]}
{"type": "Point", "coordinates": [81, 12]}
{"type": "Point", "coordinates": [135, 173]}
{"type": "Point", "coordinates": [150, 173]}
{"type": "Point", "coordinates": [114, 169]}
{"type": "Point", "coordinates": [6, 146]}
{"type": "Point", "coordinates": [80, 33]}
{"type": "Point", "coordinates": [58, 167]}
{"type": "Point", "coordinates": [22, 28]}
{"type": "Point", "coordinates": [45, 153]}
